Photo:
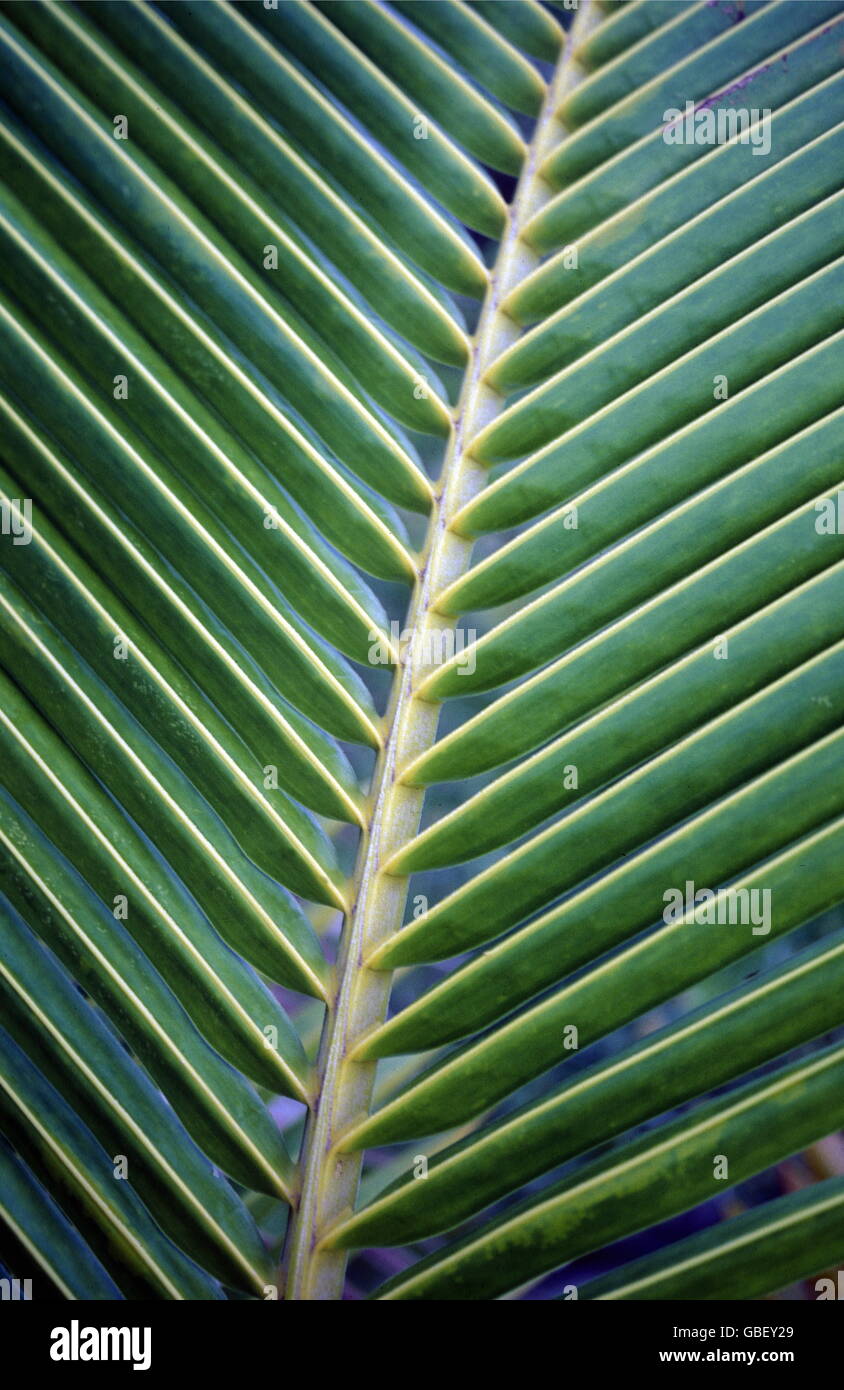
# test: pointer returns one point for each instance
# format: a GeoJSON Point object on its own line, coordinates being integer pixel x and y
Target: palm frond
{"type": "Point", "coordinates": [308, 305]}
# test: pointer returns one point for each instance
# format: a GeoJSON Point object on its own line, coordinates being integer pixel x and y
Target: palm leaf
{"type": "Point", "coordinates": [328, 329]}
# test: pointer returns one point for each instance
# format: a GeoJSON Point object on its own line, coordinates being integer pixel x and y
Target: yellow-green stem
{"type": "Point", "coordinates": [330, 1179]}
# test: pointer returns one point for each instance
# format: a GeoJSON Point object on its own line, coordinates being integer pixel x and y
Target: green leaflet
{"type": "Point", "coordinates": [788, 1239]}
{"type": "Point", "coordinates": [45, 1232]}
{"type": "Point", "coordinates": [475, 1076]}
{"type": "Point", "coordinates": [217, 1106]}
{"type": "Point", "coordinates": [670, 704]}
{"type": "Point", "coordinates": [229, 1004]}
{"type": "Point", "coordinates": [206, 174]}
{"type": "Point", "coordinates": [85, 1061]}
{"type": "Point", "coordinates": [462, 33]}
{"type": "Point", "coordinates": [529, 26]}
{"type": "Point", "coordinates": [725, 58]}
{"type": "Point", "coordinates": [491, 737]}
{"type": "Point", "coordinates": [791, 713]}
{"type": "Point", "coordinates": [714, 846]}
{"type": "Point", "coordinates": [384, 199]}
{"type": "Point", "coordinates": [725, 512]}
{"type": "Point", "coordinates": [327, 593]}
{"type": "Point", "coordinates": [439, 166]}
{"type": "Point", "coordinates": [708, 1047]}
{"type": "Point", "coordinates": [747, 424]}
{"type": "Point", "coordinates": [689, 29]}
{"type": "Point", "coordinates": [230, 294]}
{"type": "Point", "coordinates": [354, 522]}
{"type": "Point", "coordinates": [472, 120]}
{"type": "Point", "coordinates": [266, 925]}
{"type": "Point", "coordinates": [219, 578]}
{"type": "Point", "coordinates": [314, 767]}
{"type": "Point", "coordinates": [742, 352]}
{"type": "Point", "coordinates": [667, 1171]}
{"type": "Point", "coordinates": [754, 211]}
{"type": "Point", "coordinates": [73, 1157]}
{"type": "Point", "coordinates": [757, 570]}
{"type": "Point", "coordinates": [45, 662]}
{"type": "Point", "coordinates": [799, 111]}
{"type": "Point", "coordinates": [629, 25]}
{"type": "Point", "coordinates": [153, 689]}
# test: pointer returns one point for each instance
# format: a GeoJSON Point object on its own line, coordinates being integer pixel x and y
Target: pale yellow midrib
{"type": "Point", "coordinates": [329, 1179]}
